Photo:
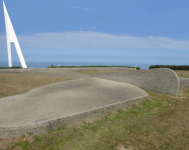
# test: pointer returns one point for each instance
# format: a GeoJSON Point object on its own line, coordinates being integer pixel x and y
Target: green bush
{"type": "Point", "coordinates": [173, 67]}
{"type": "Point", "coordinates": [138, 68]}
{"type": "Point", "coordinates": [16, 67]}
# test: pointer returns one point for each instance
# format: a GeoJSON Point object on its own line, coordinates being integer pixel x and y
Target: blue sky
{"type": "Point", "coordinates": [100, 31]}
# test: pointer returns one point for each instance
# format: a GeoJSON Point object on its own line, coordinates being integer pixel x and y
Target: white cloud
{"type": "Point", "coordinates": [93, 28]}
{"type": "Point", "coordinates": [88, 29]}
{"type": "Point", "coordinates": [83, 39]}
{"type": "Point", "coordinates": [82, 8]}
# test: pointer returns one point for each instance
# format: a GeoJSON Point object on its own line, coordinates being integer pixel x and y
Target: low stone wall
{"type": "Point", "coordinates": [184, 83]}
{"type": "Point", "coordinates": [160, 80]}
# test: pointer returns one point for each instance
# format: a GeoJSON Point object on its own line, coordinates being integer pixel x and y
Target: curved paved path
{"type": "Point", "coordinates": [53, 105]}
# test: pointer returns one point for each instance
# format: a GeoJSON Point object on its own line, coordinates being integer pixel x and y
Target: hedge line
{"type": "Point", "coordinates": [173, 67]}
{"type": "Point", "coordinates": [137, 68]}
{"type": "Point", "coordinates": [16, 67]}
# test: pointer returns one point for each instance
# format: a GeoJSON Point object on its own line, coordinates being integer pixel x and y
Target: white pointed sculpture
{"type": "Point", "coordinates": [11, 38]}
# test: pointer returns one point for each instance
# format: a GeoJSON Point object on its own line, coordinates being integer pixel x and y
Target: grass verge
{"type": "Point", "coordinates": [182, 74]}
{"type": "Point", "coordinates": [12, 84]}
{"type": "Point", "coordinates": [161, 122]}
{"type": "Point", "coordinates": [93, 71]}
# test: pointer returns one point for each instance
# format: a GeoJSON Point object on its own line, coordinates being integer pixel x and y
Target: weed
{"type": "Point", "coordinates": [29, 133]}
{"type": "Point", "coordinates": [186, 91]}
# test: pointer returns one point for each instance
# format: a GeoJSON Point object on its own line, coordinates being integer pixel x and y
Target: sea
{"type": "Point", "coordinates": [46, 64]}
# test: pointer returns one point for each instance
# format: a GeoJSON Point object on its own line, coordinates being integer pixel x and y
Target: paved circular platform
{"type": "Point", "coordinates": [53, 105]}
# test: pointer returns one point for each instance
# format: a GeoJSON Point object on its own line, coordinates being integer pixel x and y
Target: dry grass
{"type": "Point", "coordinates": [93, 71]}
{"type": "Point", "coordinates": [12, 84]}
{"type": "Point", "coordinates": [7, 142]}
{"type": "Point", "coordinates": [182, 74]}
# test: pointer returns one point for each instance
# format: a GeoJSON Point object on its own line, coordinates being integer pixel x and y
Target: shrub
{"type": "Point", "coordinates": [173, 67]}
{"type": "Point", "coordinates": [16, 67]}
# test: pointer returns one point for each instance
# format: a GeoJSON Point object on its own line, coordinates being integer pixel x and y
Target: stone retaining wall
{"type": "Point", "coordinates": [160, 80]}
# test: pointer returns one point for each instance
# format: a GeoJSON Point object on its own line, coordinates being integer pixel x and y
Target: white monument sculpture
{"type": "Point", "coordinates": [12, 39]}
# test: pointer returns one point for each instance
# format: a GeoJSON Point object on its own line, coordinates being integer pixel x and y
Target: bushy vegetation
{"type": "Point", "coordinates": [184, 67]}
{"type": "Point", "coordinates": [16, 67]}
{"type": "Point", "coordinates": [138, 68]}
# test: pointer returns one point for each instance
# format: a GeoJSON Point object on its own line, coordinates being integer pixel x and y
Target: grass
{"type": "Point", "coordinates": [161, 122]}
{"type": "Point", "coordinates": [16, 67]}
{"type": "Point", "coordinates": [93, 71]}
{"type": "Point", "coordinates": [12, 84]}
{"type": "Point", "coordinates": [182, 73]}
{"type": "Point", "coordinates": [186, 91]}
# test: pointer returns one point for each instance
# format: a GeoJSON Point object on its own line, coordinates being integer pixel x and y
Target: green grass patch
{"type": "Point", "coordinates": [161, 122]}
{"type": "Point", "coordinates": [186, 91]}
{"type": "Point", "coordinates": [16, 67]}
